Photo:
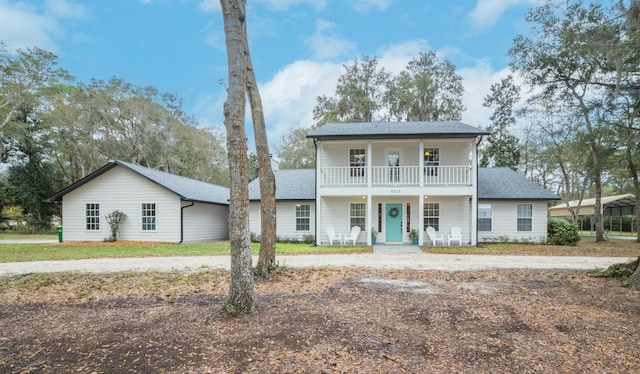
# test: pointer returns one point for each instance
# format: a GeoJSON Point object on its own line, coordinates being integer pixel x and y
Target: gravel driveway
{"type": "Point", "coordinates": [417, 261]}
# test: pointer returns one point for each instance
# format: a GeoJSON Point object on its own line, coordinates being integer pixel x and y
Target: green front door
{"type": "Point", "coordinates": [394, 223]}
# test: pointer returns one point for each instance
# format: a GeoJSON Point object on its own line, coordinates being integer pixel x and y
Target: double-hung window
{"type": "Point", "coordinates": [485, 213]}
{"type": "Point", "coordinates": [525, 217]}
{"type": "Point", "coordinates": [432, 216]}
{"type": "Point", "coordinates": [357, 215]}
{"type": "Point", "coordinates": [357, 161]}
{"type": "Point", "coordinates": [92, 216]}
{"type": "Point", "coordinates": [303, 217]}
{"type": "Point", "coordinates": [149, 217]}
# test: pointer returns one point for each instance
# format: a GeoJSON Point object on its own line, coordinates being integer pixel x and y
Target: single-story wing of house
{"type": "Point", "coordinates": [511, 207]}
{"type": "Point", "coordinates": [295, 203]}
{"type": "Point", "coordinates": [157, 206]}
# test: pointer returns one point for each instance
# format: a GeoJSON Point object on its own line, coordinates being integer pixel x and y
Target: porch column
{"type": "Point", "coordinates": [474, 197]}
{"type": "Point", "coordinates": [368, 162]}
{"type": "Point", "coordinates": [421, 168]}
{"type": "Point", "coordinates": [318, 195]}
{"type": "Point", "coordinates": [421, 217]}
{"type": "Point", "coordinates": [421, 196]}
{"type": "Point", "coordinates": [370, 218]}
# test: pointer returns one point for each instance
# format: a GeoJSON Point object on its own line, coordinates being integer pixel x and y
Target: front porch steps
{"type": "Point", "coordinates": [396, 248]}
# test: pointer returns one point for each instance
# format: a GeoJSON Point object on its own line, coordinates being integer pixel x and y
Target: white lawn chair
{"type": "Point", "coordinates": [331, 233]}
{"type": "Point", "coordinates": [434, 237]}
{"type": "Point", "coordinates": [456, 235]}
{"type": "Point", "coordinates": [353, 236]}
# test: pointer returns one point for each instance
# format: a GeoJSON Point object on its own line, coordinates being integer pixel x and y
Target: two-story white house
{"type": "Point", "coordinates": [395, 177]}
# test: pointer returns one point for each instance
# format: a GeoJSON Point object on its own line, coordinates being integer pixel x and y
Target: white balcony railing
{"type": "Point", "coordinates": [396, 176]}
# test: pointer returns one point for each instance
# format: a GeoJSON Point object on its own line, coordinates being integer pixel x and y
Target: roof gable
{"type": "Point", "coordinates": [186, 188]}
{"type": "Point", "coordinates": [396, 130]}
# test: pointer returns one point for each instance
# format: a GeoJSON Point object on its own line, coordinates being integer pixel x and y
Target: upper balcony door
{"type": "Point", "coordinates": [393, 161]}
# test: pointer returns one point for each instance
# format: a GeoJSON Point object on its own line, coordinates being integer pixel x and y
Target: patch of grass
{"type": "Point", "coordinates": [586, 247]}
{"type": "Point", "coordinates": [120, 249]}
{"type": "Point", "coordinates": [12, 235]}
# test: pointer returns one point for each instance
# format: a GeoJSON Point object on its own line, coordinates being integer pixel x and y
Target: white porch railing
{"type": "Point", "coordinates": [396, 176]}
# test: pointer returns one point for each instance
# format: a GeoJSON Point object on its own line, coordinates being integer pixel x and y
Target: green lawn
{"type": "Point", "coordinates": [11, 235]}
{"type": "Point", "coordinates": [82, 250]}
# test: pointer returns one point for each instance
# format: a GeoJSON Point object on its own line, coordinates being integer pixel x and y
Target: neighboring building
{"type": "Point", "coordinates": [295, 204]}
{"type": "Point", "coordinates": [158, 206]}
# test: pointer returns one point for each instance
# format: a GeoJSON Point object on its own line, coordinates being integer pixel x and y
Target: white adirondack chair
{"type": "Point", "coordinates": [456, 235]}
{"type": "Point", "coordinates": [434, 237]}
{"type": "Point", "coordinates": [353, 236]}
{"type": "Point", "coordinates": [331, 233]}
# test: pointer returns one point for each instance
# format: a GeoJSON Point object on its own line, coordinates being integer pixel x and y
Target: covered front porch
{"type": "Point", "coordinates": [393, 218]}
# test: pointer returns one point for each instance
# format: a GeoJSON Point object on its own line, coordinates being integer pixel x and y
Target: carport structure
{"type": "Point", "coordinates": [619, 205]}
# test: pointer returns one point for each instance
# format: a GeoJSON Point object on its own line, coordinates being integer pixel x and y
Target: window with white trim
{"type": "Point", "coordinates": [149, 216]}
{"type": "Point", "coordinates": [357, 215]}
{"type": "Point", "coordinates": [92, 216]}
{"type": "Point", "coordinates": [357, 161]}
{"type": "Point", "coordinates": [303, 217]}
{"type": "Point", "coordinates": [432, 216]}
{"type": "Point", "coordinates": [485, 213]}
{"type": "Point", "coordinates": [525, 217]}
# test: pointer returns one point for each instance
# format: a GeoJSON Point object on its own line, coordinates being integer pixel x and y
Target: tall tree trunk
{"type": "Point", "coordinates": [596, 168]}
{"type": "Point", "coordinates": [267, 257]}
{"type": "Point", "coordinates": [241, 299]}
{"type": "Point", "coordinates": [630, 143]}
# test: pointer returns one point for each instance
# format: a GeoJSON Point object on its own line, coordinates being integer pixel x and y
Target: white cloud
{"type": "Point", "coordinates": [477, 81]}
{"type": "Point", "coordinates": [290, 95]}
{"type": "Point", "coordinates": [23, 27]}
{"type": "Point", "coordinates": [65, 9]}
{"type": "Point", "coordinates": [487, 12]}
{"type": "Point", "coordinates": [325, 43]}
{"type": "Point", "coordinates": [284, 5]}
{"type": "Point", "coordinates": [212, 6]}
{"type": "Point", "coordinates": [364, 6]}
{"type": "Point", "coordinates": [395, 57]}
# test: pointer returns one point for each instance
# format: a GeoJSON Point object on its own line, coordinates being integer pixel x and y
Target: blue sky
{"type": "Point", "coordinates": [298, 47]}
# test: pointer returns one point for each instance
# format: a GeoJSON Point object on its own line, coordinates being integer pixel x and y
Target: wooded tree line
{"type": "Point", "coordinates": [55, 131]}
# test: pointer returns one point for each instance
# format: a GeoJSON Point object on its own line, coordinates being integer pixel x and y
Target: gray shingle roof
{"type": "Point", "coordinates": [186, 188]}
{"type": "Point", "coordinates": [506, 184]}
{"type": "Point", "coordinates": [291, 184]}
{"type": "Point", "coordinates": [396, 130]}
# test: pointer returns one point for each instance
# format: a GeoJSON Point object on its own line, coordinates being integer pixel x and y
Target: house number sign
{"type": "Point", "coordinates": [395, 190]}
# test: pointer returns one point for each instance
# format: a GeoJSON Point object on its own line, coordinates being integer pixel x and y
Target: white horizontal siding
{"type": "Point", "coordinates": [504, 223]}
{"type": "Point", "coordinates": [454, 211]}
{"type": "Point", "coordinates": [285, 221]}
{"type": "Point", "coordinates": [205, 222]}
{"type": "Point", "coordinates": [123, 190]}
{"type": "Point", "coordinates": [335, 212]}
{"type": "Point", "coordinates": [336, 153]}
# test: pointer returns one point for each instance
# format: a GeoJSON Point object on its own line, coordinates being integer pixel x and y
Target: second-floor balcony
{"type": "Point", "coordinates": [375, 176]}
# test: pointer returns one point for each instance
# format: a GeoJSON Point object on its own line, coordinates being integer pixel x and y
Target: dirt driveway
{"type": "Point", "coordinates": [416, 261]}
